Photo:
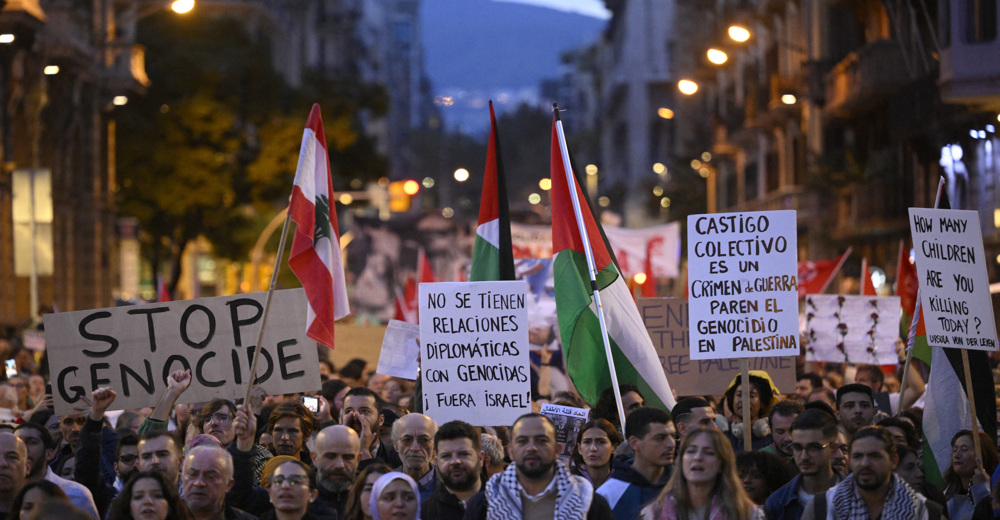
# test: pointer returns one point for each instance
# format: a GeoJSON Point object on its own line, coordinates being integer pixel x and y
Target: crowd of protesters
{"type": "Point", "coordinates": [360, 451]}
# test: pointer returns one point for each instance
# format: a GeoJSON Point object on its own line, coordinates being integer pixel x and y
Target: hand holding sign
{"type": "Point", "coordinates": [245, 424]}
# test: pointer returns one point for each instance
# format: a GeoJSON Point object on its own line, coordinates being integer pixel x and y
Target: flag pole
{"type": "Point", "coordinates": [972, 407]}
{"type": "Point", "coordinates": [267, 308]}
{"type": "Point", "coordinates": [911, 334]}
{"type": "Point", "coordinates": [591, 264]}
{"type": "Point", "coordinates": [747, 427]}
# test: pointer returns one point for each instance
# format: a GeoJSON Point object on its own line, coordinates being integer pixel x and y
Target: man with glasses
{"type": "Point", "coordinates": [413, 438]}
{"type": "Point", "coordinates": [814, 433]}
{"type": "Point", "coordinates": [216, 419]}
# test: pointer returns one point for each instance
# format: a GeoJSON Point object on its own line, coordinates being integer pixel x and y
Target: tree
{"type": "Point", "coordinates": [211, 149]}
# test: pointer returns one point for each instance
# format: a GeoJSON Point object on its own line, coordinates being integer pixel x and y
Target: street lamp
{"type": "Point", "coordinates": [687, 87]}
{"type": "Point", "coordinates": [461, 175]}
{"type": "Point", "coordinates": [717, 56]}
{"type": "Point", "coordinates": [738, 33]}
{"type": "Point", "coordinates": [182, 6]}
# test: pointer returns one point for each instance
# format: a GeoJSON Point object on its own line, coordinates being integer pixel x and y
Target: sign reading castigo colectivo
{"type": "Point", "coordinates": [134, 349]}
{"type": "Point", "coordinates": [742, 285]}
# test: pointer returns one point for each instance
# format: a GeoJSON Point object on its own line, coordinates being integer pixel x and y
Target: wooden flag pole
{"type": "Point", "coordinates": [747, 427]}
{"type": "Point", "coordinates": [267, 309]}
{"type": "Point", "coordinates": [972, 407]}
{"type": "Point", "coordinates": [591, 264]}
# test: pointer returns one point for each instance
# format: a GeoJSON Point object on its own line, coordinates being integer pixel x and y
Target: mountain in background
{"type": "Point", "coordinates": [475, 50]}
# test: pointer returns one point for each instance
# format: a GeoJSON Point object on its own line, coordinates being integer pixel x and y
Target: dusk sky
{"type": "Point", "coordinates": [593, 8]}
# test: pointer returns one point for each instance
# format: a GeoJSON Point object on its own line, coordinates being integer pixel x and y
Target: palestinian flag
{"type": "Point", "coordinates": [315, 257]}
{"type": "Point", "coordinates": [635, 358]}
{"type": "Point", "coordinates": [493, 254]}
{"type": "Point", "coordinates": [946, 403]}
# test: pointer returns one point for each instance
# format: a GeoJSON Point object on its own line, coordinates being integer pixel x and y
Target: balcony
{"type": "Point", "coordinates": [126, 72]}
{"type": "Point", "coordinates": [970, 71]}
{"type": "Point", "coordinates": [865, 78]}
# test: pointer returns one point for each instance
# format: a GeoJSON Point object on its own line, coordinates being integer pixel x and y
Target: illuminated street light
{"type": "Point", "coordinates": [119, 100]}
{"type": "Point", "coordinates": [461, 175]}
{"type": "Point", "coordinates": [659, 168]}
{"type": "Point", "coordinates": [592, 169]}
{"type": "Point", "coordinates": [6, 38]}
{"type": "Point", "coordinates": [534, 198]}
{"type": "Point", "coordinates": [447, 212]}
{"type": "Point", "coordinates": [545, 184]}
{"type": "Point", "coordinates": [705, 156]}
{"type": "Point", "coordinates": [658, 190]}
{"type": "Point", "coordinates": [788, 99]}
{"type": "Point", "coordinates": [739, 33]}
{"type": "Point", "coordinates": [639, 278]}
{"type": "Point", "coordinates": [687, 87]}
{"type": "Point", "coordinates": [665, 113]}
{"type": "Point", "coordinates": [346, 199]}
{"type": "Point", "coordinates": [428, 182]}
{"type": "Point", "coordinates": [411, 187]}
{"type": "Point", "coordinates": [717, 56]}
{"type": "Point", "coordinates": [182, 6]}
{"type": "Point", "coordinates": [665, 202]}
{"type": "Point", "coordinates": [51, 70]}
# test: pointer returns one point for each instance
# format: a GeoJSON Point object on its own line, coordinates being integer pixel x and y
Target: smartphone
{"type": "Point", "coordinates": [11, 369]}
{"type": "Point", "coordinates": [311, 403]}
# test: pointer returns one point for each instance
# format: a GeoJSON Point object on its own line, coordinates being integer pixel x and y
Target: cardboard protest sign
{"type": "Point", "coordinates": [474, 351]}
{"type": "Point", "coordinates": [666, 321]}
{"type": "Point", "coordinates": [743, 285]}
{"type": "Point", "coordinates": [954, 289]}
{"type": "Point", "coordinates": [568, 421]}
{"type": "Point", "coordinates": [400, 350]}
{"type": "Point", "coordinates": [133, 349]}
{"type": "Point", "coordinates": [851, 328]}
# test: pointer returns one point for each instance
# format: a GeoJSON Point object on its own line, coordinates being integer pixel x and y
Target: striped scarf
{"type": "Point", "coordinates": [503, 494]}
{"type": "Point", "coordinates": [901, 502]}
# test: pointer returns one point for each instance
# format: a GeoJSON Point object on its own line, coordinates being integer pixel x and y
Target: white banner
{"type": "Point", "coordinates": [743, 285]}
{"type": "Point", "coordinates": [954, 289]}
{"type": "Point", "coordinates": [474, 351]}
{"type": "Point", "coordinates": [134, 348]}
{"type": "Point", "coordinates": [851, 328]}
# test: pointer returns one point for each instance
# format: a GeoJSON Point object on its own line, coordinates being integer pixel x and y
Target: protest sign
{"type": "Point", "coordinates": [400, 350]}
{"type": "Point", "coordinates": [743, 285]}
{"type": "Point", "coordinates": [666, 321]}
{"type": "Point", "coordinates": [851, 328]}
{"type": "Point", "coordinates": [568, 421]}
{"type": "Point", "coordinates": [954, 289]}
{"type": "Point", "coordinates": [474, 351]}
{"type": "Point", "coordinates": [134, 348]}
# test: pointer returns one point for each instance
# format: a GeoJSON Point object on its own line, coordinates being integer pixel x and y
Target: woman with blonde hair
{"type": "Point", "coordinates": [704, 484]}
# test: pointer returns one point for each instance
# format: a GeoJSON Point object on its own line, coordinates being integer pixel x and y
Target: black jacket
{"type": "Point", "coordinates": [442, 505]}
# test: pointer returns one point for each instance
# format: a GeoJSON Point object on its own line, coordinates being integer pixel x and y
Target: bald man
{"type": "Point", "coordinates": [336, 459]}
{"type": "Point", "coordinates": [413, 438]}
{"type": "Point", "coordinates": [13, 469]}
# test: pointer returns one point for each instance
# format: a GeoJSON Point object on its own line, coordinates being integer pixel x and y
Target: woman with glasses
{"type": "Point", "coordinates": [148, 496]}
{"type": "Point", "coordinates": [358, 505]}
{"type": "Point", "coordinates": [704, 484]}
{"type": "Point", "coordinates": [395, 495]}
{"type": "Point", "coordinates": [216, 419]}
{"type": "Point", "coordinates": [292, 488]}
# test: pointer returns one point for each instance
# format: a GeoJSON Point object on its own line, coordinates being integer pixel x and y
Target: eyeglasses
{"type": "Point", "coordinates": [291, 480]}
{"type": "Point", "coordinates": [128, 459]}
{"type": "Point", "coordinates": [221, 418]}
{"type": "Point", "coordinates": [811, 449]}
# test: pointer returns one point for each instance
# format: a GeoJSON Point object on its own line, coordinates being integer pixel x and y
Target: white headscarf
{"type": "Point", "coordinates": [382, 483]}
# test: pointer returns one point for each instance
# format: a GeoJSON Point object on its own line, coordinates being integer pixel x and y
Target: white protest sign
{"type": "Point", "coordinates": [400, 350]}
{"type": "Point", "coordinates": [743, 285]}
{"type": "Point", "coordinates": [954, 289]}
{"type": "Point", "coordinates": [474, 351]}
{"type": "Point", "coordinates": [851, 328]}
{"type": "Point", "coordinates": [568, 421]}
{"type": "Point", "coordinates": [134, 348]}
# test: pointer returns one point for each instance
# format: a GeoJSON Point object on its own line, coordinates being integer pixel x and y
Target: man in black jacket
{"type": "Point", "coordinates": [537, 486]}
{"type": "Point", "coordinates": [459, 462]}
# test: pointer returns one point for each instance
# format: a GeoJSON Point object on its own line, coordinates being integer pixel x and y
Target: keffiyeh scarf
{"type": "Point", "coordinates": [503, 494]}
{"type": "Point", "coordinates": [901, 502]}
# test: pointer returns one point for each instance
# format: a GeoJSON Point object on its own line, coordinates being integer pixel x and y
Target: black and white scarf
{"type": "Point", "coordinates": [901, 502]}
{"type": "Point", "coordinates": [503, 494]}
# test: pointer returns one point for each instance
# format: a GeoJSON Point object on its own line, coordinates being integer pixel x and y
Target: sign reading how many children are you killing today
{"type": "Point", "coordinates": [742, 285]}
{"type": "Point", "coordinates": [954, 289]}
{"type": "Point", "coordinates": [474, 351]}
{"type": "Point", "coordinates": [134, 349]}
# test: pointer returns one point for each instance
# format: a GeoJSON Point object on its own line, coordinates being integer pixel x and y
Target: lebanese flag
{"type": "Point", "coordinates": [635, 358]}
{"type": "Point", "coordinates": [867, 286]}
{"type": "Point", "coordinates": [315, 257]}
{"type": "Point", "coordinates": [493, 252]}
{"type": "Point", "coordinates": [404, 312]}
{"type": "Point", "coordinates": [815, 276]}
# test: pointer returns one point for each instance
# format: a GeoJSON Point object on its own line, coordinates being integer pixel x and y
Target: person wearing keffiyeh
{"type": "Point", "coordinates": [537, 485]}
{"type": "Point", "coordinates": [872, 490]}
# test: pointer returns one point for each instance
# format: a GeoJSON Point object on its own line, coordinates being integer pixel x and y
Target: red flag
{"type": "Point", "coordinates": [404, 311]}
{"type": "Point", "coordinates": [162, 293]}
{"type": "Point", "coordinates": [814, 277]}
{"type": "Point", "coordinates": [867, 286]}
{"type": "Point", "coordinates": [315, 257]}
{"type": "Point", "coordinates": [906, 280]}
{"type": "Point", "coordinates": [424, 270]}
{"type": "Point", "coordinates": [649, 287]}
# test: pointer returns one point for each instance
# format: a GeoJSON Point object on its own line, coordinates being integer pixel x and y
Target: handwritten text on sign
{"type": "Point", "coordinates": [666, 321]}
{"type": "Point", "coordinates": [134, 349]}
{"type": "Point", "coordinates": [474, 351]}
{"type": "Point", "coordinates": [954, 291]}
{"type": "Point", "coordinates": [743, 286]}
